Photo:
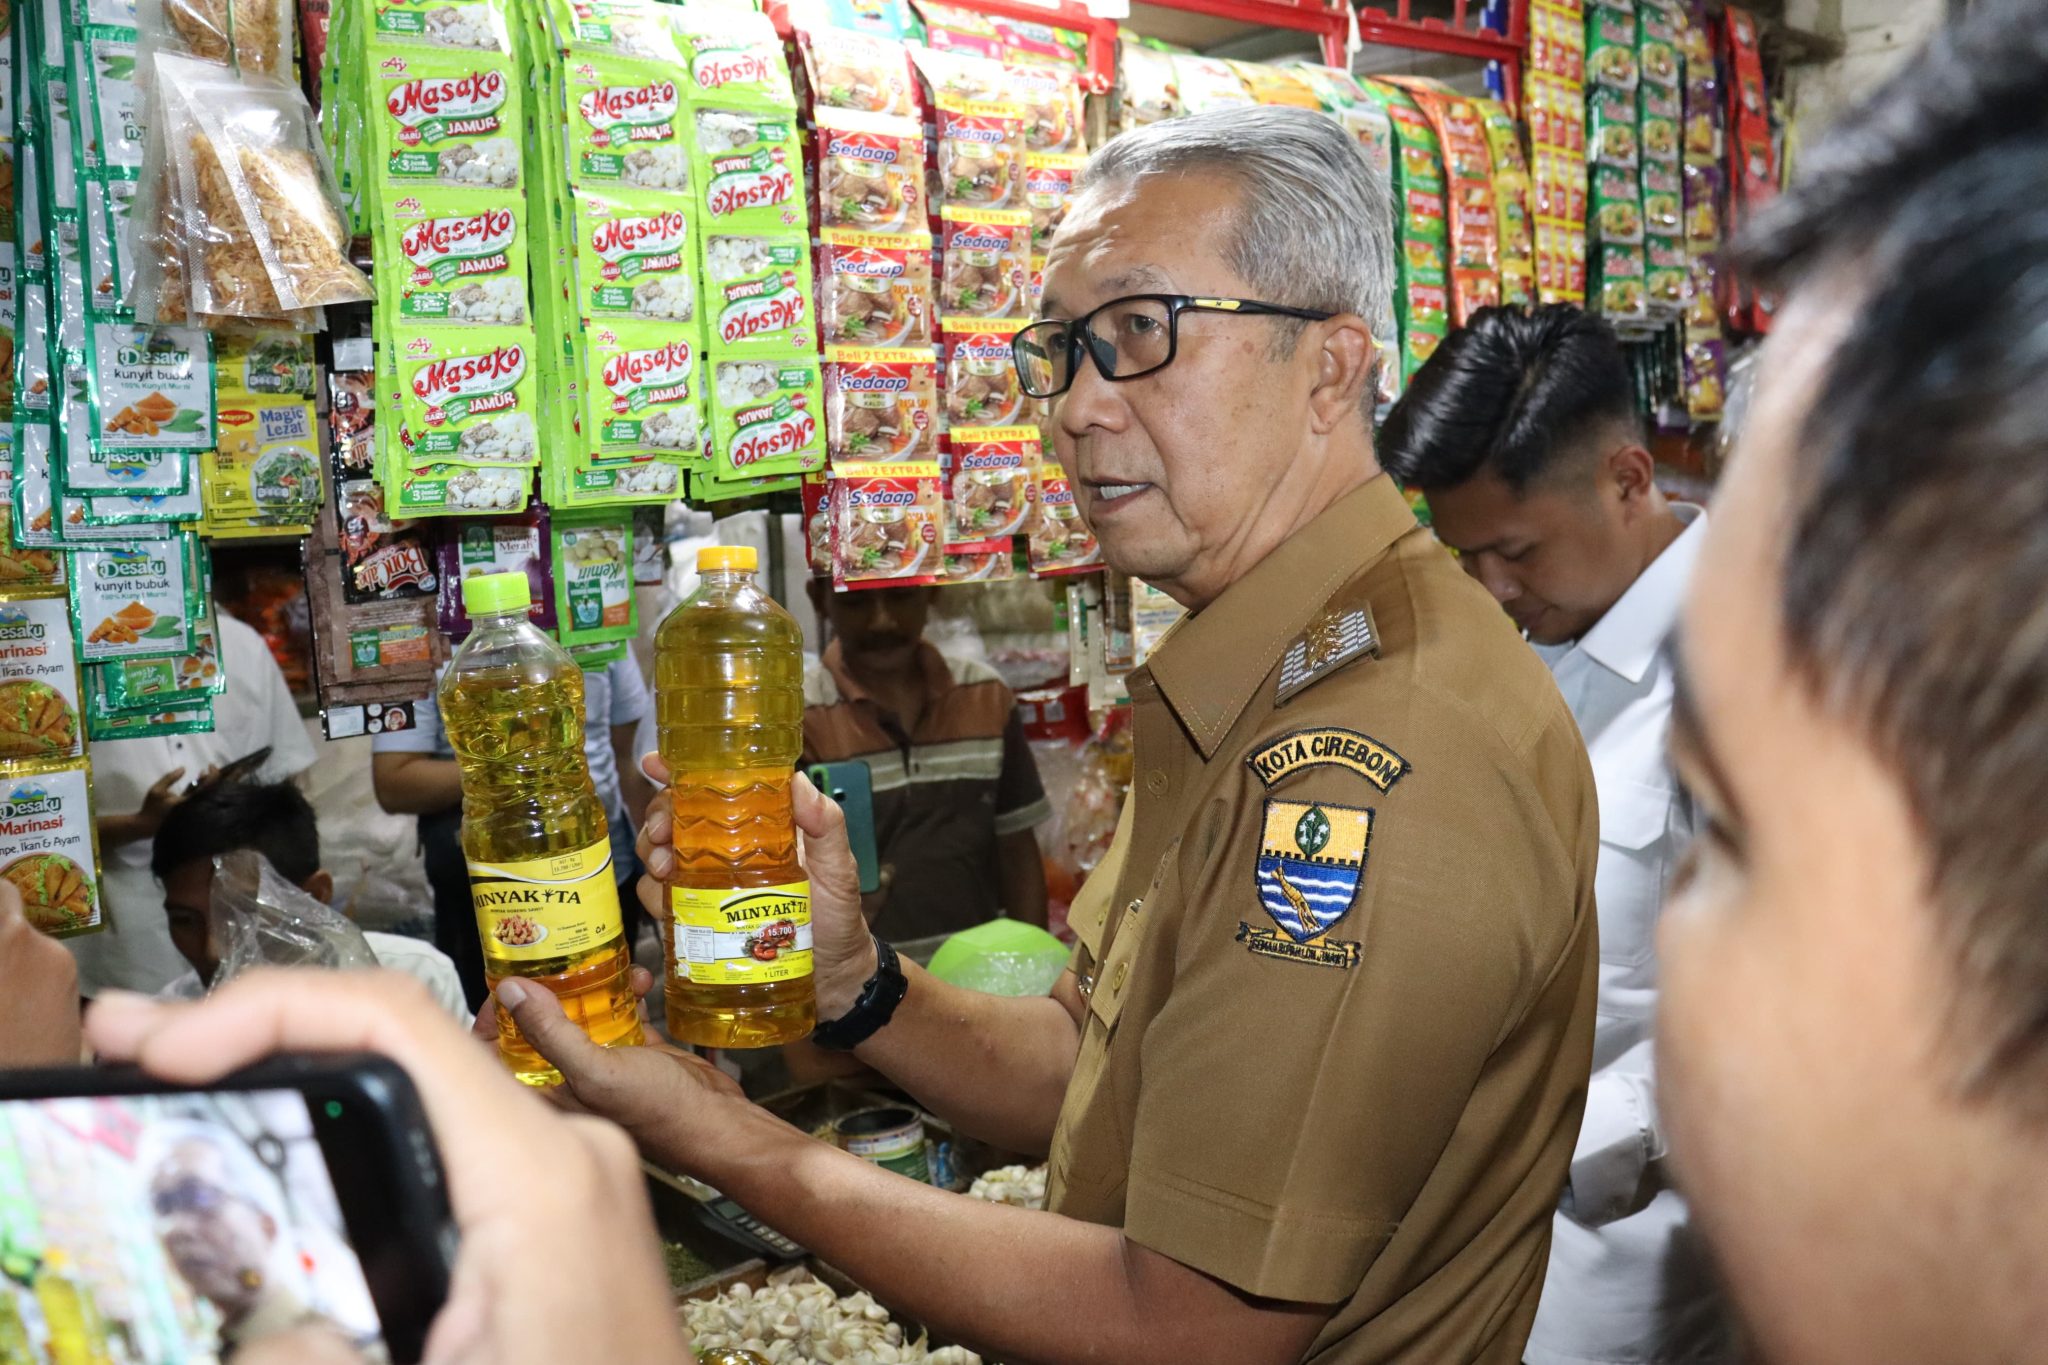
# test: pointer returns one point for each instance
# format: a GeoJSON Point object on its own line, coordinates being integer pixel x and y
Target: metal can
{"type": "Point", "coordinates": [891, 1136]}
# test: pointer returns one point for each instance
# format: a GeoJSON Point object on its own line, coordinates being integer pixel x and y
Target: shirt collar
{"type": "Point", "coordinates": [938, 678]}
{"type": "Point", "coordinates": [1625, 641]}
{"type": "Point", "coordinates": [1212, 661]}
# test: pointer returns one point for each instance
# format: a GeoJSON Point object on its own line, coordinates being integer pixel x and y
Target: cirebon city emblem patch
{"type": "Point", "coordinates": [1311, 861]}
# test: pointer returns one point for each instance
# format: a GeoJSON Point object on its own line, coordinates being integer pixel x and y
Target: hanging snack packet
{"type": "Point", "coordinates": [875, 290]}
{"type": "Point", "coordinates": [1276, 85]}
{"type": "Point", "coordinates": [643, 392]}
{"type": "Point", "coordinates": [635, 257]}
{"type": "Point", "coordinates": [818, 513]}
{"type": "Point", "coordinates": [747, 167]}
{"type": "Point", "coordinates": [469, 397]}
{"type": "Point", "coordinates": [24, 568]}
{"type": "Point", "coordinates": [1623, 278]}
{"type": "Point", "coordinates": [134, 600]}
{"type": "Point", "coordinates": [881, 405]}
{"type": "Point", "coordinates": [764, 414]}
{"type": "Point", "coordinates": [735, 57]}
{"type": "Point", "coordinates": [495, 545]}
{"type": "Point", "coordinates": [1051, 100]}
{"type": "Point", "coordinates": [1611, 48]}
{"type": "Point", "coordinates": [888, 526]}
{"type": "Point", "coordinates": [196, 720]}
{"type": "Point", "coordinates": [39, 711]}
{"type": "Point", "coordinates": [152, 390]}
{"type": "Point", "coordinates": [985, 257]}
{"type": "Point", "coordinates": [134, 687]}
{"type": "Point", "coordinates": [262, 217]}
{"type": "Point", "coordinates": [870, 172]}
{"type": "Point", "coordinates": [448, 118]}
{"type": "Point", "coordinates": [1208, 83]}
{"type": "Point", "coordinates": [49, 846]}
{"type": "Point", "coordinates": [956, 76]}
{"type": "Point", "coordinates": [980, 153]}
{"type": "Point", "coordinates": [982, 388]}
{"type": "Point", "coordinates": [994, 489]}
{"type": "Point", "coordinates": [758, 291]}
{"type": "Point", "coordinates": [1048, 185]}
{"type": "Point", "coordinates": [1148, 88]}
{"type": "Point", "coordinates": [1062, 544]}
{"type": "Point", "coordinates": [459, 256]}
{"type": "Point", "coordinates": [857, 71]}
{"type": "Point", "coordinates": [593, 571]}
{"type": "Point", "coordinates": [476, 25]}
{"type": "Point", "coordinates": [627, 128]}
{"type": "Point", "coordinates": [252, 36]}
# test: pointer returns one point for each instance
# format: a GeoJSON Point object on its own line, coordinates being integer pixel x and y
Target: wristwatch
{"type": "Point", "coordinates": [878, 1001]}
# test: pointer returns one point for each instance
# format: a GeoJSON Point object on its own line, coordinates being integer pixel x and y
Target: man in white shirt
{"type": "Point", "coordinates": [1522, 432]}
{"type": "Point", "coordinates": [135, 782]}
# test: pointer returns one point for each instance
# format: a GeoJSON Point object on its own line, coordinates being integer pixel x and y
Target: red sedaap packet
{"type": "Point", "coordinates": [980, 153]}
{"type": "Point", "coordinates": [982, 389]}
{"type": "Point", "coordinates": [881, 405]}
{"type": "Point", "coordinates": [985, 262]}
{"type": "Point", "coordinates": [1048, 185]}
{"type": "Point", "coordinates": [992, 486]}
{"type": "Point", "coordinates": [888, 526]}
{"type": "Point", "coordinates": [1061, 544]}
{"type": "Point", "coordinates": [859, 71]}
{"type": "Point", "coordinates": [875, 290]}
{"type": "Point", "coordinates": [870, 172]}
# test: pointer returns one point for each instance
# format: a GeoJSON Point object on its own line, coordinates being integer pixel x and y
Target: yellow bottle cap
{"type": "Point", "coordinates": [714, 557]}
{"type": "Point", "coordinates": [493, 593]}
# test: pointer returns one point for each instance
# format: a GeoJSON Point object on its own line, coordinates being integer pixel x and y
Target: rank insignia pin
{"type": "Point", "coordinates": [1332, 640]}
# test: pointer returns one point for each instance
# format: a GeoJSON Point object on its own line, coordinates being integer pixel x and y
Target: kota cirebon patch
{"type": "Point", "coordinates": [1311, 862]}
{"type": "Point", "coordinates": [1304, 749]}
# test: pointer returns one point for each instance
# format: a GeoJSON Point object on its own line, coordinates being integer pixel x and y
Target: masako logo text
{"type": "Point", "coordinates": [748, 183]}
{"type": "Point", "coordinates": [471, 376]}
{"type": "Point", "coordinates": [771, 431]}
{"type": "Point", "coordinates": [660, 234]}
{"type": "Point", "coordinates": [668, 365]}
{"type": "Point", "coordinates": [475, 98]}
{"type": "Point", "coordinates": [488, 234]}
{"type": "Point", "coordinates": [654, 102]}
{"type": "Point", "coordinates": [715, 70]}
{"type": "Point", "coordinates": [753, 316]}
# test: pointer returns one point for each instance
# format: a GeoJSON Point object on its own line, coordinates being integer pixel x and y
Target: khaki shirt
{"type": "Point", "coordinates": [1340, 960]}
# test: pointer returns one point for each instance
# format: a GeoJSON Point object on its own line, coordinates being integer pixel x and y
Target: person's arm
{"type": "Point", "coordinates": [1020, 1286]}
{"type": "Point", "coordinates": [1021, 807]}
{"type": "Point", "coordinates": [994, 1067]}
{"type": "Point", "coordinates": [1620, 1142]}
{"type": "Point", "coordinates": [634, 788]}
{"type": "Point", "coordinates": [117, 830]}
{"type": "Point", "coordinates": [38, 992]}
{"type": "Point", "coordinates": [1021, 871]}
{"type": "Point", "coordinates": [415, 784]}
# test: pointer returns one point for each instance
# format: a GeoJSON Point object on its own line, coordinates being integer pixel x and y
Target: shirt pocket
{"type": "Point", "coordinates": [1635, 855]}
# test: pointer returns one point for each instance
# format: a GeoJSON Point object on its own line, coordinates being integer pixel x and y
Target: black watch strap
{"type": "Point", "coordinates": [877, 1003]}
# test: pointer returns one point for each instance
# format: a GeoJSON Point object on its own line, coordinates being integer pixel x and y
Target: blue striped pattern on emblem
{"type": "Point", "coordinates": [1327, 891]}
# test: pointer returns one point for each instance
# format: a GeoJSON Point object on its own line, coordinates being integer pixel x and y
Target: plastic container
{"type": "Point", "coordinates": [729, 698]}
{"type": "Point", "coordinates": [533, 830]}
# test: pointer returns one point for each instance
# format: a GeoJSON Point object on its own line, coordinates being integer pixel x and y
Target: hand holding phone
{"type": "Point", "coordinates": [539, 1197]}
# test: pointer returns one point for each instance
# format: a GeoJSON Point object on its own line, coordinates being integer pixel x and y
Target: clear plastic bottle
{"type": "Point", "coordinates": [729, 696]}
{"type": "Point", "coordinates": [533, 830]}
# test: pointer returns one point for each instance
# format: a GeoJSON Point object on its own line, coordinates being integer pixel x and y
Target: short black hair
{"type": "Point", "coordinates": [1508, 393]}
{"type": "Point", "coordinates": [1915, 552]}
{"type": "Point", "coordinates": [275, 819]}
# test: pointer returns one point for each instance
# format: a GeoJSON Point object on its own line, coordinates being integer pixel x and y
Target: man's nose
{"type": "Point", "coordinates": [1493, 575]}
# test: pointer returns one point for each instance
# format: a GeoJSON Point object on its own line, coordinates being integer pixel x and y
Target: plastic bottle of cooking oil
{"type": "Point", "coordinates": [729, 696]}
{"type": "Point", "coordinates": [76, 1334]}
{"type": "Point", "coordinates": [533, 831]}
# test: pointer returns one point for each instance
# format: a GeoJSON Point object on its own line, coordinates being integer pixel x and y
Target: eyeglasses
{"type": "Point", "coordinates": [1128, 338]}
{"type": "Point", "coordinates": [191, 1196]}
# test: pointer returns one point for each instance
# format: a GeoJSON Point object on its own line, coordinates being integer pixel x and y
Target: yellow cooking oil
{"type": "Point", "coordinates": [534, 833]}
{"type": "Point", "coordinates": [729, 699]}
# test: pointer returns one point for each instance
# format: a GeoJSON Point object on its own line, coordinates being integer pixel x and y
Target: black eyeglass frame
{"type": "Point", "coordinates": [1081, 336]}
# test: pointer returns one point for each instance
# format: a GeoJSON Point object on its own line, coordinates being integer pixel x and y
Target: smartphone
{"type": "Point", "coordinates": [141, 1220]}
{"type": "Point", "coordinates": [852, 786]}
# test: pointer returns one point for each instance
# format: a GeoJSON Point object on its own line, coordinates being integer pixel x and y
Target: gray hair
{"type": "Point", "coordinates": [1317, 225]}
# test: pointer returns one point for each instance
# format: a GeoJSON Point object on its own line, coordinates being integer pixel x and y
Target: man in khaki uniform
{"type": "Point", "coordinates": [1310, 1089]}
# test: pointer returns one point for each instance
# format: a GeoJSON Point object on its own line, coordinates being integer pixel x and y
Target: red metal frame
{"type": "Point", "coordinates": [1461, 37]}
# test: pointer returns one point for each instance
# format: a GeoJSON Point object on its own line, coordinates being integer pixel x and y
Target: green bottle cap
{"type": "Point", "coordinates": [494, 593]}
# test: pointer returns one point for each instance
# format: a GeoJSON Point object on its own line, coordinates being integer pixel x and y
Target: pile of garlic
{"type": "Point", "coordinates": [1023, 1186]}
{"type": "Point", "coordinates": [797, 1320]}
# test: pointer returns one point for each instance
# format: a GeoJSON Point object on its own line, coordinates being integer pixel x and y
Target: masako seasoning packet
{"type": "Point", "coordinates": [765, 414]}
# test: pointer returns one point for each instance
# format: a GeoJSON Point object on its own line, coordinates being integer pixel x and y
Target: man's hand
{"type": "Point", "coordinates": [667, 1100]}
{"type": "Point", "coordinates": [586, 1208]}
{"type": "Point", "coordinates": [842, 949]}
{"type": "Point", "coordinates": [38, 992]}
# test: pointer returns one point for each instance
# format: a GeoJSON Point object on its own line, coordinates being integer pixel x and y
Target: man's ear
{"type": "Point", "coordinates": [1632, 470]}
{"type": "Point", "coordinates": [320, 886]}
{"type": "Point", "coordinates": [1344, 368]}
